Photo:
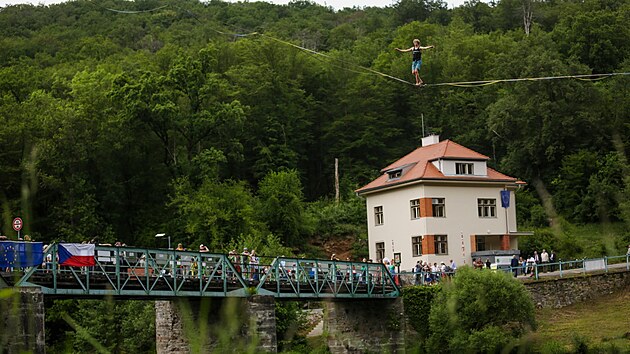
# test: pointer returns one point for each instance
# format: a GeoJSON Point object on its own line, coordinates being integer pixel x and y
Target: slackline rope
{"type": "Point", "coordinates": [135, 12]}
{"type": "Point", "coordinates": [465, 84]}
{"type": "Point", "coordinates": [585, 77]}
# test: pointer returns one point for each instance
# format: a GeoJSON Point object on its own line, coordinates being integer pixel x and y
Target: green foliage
{"type": "Point", "coordinates": [529, 211]}
{"type": "Point", "coordinates": [479, 309]}
{"type": "Point", "coordinates": [346, 218]}
{"type": "Point", "coordinates": [89, 325]}
{"type": "Point", "coordinates": [282, 206]}
{"type": "Point", "coordinates": [553, 347]}
{"type": "Point", "coordinates": [289, 318]}
{"type": "Point", "coordinates": [417, 301]}
{"type": "Point", "coordinates": [542, 238]}
{"type": "Point", "coordinates": [216, 213]}
{"type": "Point", "coordinates": [119, 126]}
{"type": "Point", "coordinates": [587, 189]}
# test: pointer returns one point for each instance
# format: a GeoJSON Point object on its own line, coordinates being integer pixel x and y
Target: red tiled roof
{"type": "Point", "coordinates": [418, 166]}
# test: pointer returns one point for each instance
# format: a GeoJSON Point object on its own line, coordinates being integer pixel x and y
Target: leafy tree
{"type": "Point", "coordinates": [90, 325]}
{"type": "Point", "coordinates": [282, 206]}
{"type": "Point", "coordinates": [571, 185]}
{"type": "Point", "coordinates": [216, 213]}
{"type": "Point", "coordinates": [332, 219]}
{"type": "Point", "coordinates": [596, 37]}
{"type": "Point", "coordinates": [479, 311]}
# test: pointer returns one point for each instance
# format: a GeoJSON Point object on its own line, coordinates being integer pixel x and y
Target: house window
{"type": "Point", "coordinates": [441, 244]}
{"type": "Point", "coordinates": [487, 208]}
{"type": "Point", "coordinates": [415, 208]}
{"type": "Point", "coordinates": [480, 243]}
{"type": "Point", "coordinates": [416, 246]}
{"type": "Point", "coordinates": [438, 208]}
{"type": "Point", "coordinates": [394, 174]}
{"type": "Point", "coordinates": [464, 168]}
{"type": "Point", "coordinates": [380, 251]}
{"type": "Point", "coordinates": [378, 215]}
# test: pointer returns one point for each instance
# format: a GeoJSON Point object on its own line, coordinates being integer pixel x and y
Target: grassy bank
{"type": "Point", "coordinates": [603, 323]}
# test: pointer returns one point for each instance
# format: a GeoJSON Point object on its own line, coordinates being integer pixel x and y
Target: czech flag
{"type": "Point", "coordinates": [76, 254]}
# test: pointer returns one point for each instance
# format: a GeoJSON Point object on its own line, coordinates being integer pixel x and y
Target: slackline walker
{"type": "Point", "coordinates": [417, 59]}
{"type": "Point", "coordinates": [416, 50]}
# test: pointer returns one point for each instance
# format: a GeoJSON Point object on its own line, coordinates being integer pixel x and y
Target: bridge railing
{"type": "Point", "coordinates": [139, 272]}
{"type": "Point", "coordinates": [316, 278]}
{"type": "Point", "coordinates": [572, 267]}
{"type": "Point", "coordinates": [559, 269]}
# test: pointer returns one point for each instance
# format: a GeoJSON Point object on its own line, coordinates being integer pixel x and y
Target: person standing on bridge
{"type": "Point", "coordinates": [544, 259]}
{"type": "Point", "coordinates": [245, 262]}
{"type": "Point", "coordinates": [514, 265]}
{"type": "Point", "coordinates": [254, 261]}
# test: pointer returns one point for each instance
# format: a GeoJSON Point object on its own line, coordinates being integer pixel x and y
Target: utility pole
{"type": "Point", "coordinates": [336, 180]}
{"type": "Point", "coordinates": [422, 117]}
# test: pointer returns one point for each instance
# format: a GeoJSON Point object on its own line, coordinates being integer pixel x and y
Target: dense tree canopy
{"type": "Point", "coordinates": [120, 125]}
{"type": "Point", "coordinates": [117, 125]}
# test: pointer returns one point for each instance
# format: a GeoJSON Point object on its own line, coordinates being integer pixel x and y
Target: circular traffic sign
{"type": "Point", "coordinates": [17, 224]}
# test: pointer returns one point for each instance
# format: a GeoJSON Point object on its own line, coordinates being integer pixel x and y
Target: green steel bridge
{"type": "Point", "coordinates": [141, 273]}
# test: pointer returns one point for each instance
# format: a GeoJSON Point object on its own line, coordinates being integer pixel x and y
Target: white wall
{"type": "Point", "coordinates": [447, 167]}
{"type": "Point", "coordinates": [460, 222]}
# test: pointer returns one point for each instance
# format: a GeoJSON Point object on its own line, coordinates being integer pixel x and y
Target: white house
{"type": "Point", "coordinates": [441, 202]}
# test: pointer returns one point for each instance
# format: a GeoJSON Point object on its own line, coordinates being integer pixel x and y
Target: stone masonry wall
{"type": "Point", "coordinates": [262, 312]}
{"type": "Point", "coordinates": [365, 326]}
{"type": "Point", "coordinates": [169, 329]}
{"type": "Point", "coordinates": [216, 325]}
{"type": "Point", "coordinates": [560, 292]}
{"type": "Point", "coordinates": [22, 322]}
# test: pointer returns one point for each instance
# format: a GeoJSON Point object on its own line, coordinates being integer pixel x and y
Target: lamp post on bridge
{"type": "Point", "coordinates": [162, 235]}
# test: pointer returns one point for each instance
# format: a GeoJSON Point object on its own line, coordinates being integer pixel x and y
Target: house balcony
{"type": "Point", "coordinates": [496, 248]}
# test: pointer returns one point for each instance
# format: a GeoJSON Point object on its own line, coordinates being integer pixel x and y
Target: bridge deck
{"type": "Point", "coordinates": [147, 273]}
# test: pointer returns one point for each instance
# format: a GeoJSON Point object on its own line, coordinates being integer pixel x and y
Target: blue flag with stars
{"type": "Point", "coordinates": [505, 199]}
{"type": "Point", "coordinates": [21, 254]}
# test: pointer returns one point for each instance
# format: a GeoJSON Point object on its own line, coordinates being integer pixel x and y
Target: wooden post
{"type": "Point", "coordinates": [337, 180]}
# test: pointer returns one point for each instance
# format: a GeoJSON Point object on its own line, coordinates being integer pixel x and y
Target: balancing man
{"type": "Point", "coordinates": [416, 50]}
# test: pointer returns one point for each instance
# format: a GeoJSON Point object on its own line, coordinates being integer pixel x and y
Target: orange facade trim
{"type": "Point", "coordinates": [473, 243]}
{"type": "Point", "coordinates": [426, 207]}
{"type": "Point", "coordinates": [428, 244]}
{"type": "Point", "coordinates": [505, 242]}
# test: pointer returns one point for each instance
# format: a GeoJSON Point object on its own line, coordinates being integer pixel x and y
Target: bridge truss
{"type": "Point", "coordinates": [158, 273]}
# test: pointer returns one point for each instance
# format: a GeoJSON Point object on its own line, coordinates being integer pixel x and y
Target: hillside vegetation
{"type": "Point", "coordinates": [120, 125]}
{"type": "Point", "coordinates": [117, 125]}
{"type": "Point", "coordinates": [601, 325]}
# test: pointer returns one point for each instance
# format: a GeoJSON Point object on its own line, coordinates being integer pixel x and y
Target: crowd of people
{"type": "Point", "coordinates": [428, 273]}
{"type": "Point", "coordinates": [247, 264]}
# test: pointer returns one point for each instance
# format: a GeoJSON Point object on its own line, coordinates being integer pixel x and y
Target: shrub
{"type": "Point", "coordinates": [417, 301]}
{"type": "Point", "coordinates": [479, 309]}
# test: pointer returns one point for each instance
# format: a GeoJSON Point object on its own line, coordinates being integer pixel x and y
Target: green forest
{"type": "Point", "coordinates": [205, 121]}
{"type": "Point", "coordinates": [200, 120]}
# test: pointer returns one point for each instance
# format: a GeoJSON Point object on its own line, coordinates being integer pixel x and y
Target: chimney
{"type": "Point", "coordinates": [430, 140]}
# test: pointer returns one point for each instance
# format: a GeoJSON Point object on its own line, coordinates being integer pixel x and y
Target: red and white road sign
{"type": "Point", "coordinates": [17, 224]}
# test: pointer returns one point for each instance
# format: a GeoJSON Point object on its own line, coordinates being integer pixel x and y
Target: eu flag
{"type": "Point", "coordinates": [21, 254]}
{"type": "Point", "coordinates": [505, 199]}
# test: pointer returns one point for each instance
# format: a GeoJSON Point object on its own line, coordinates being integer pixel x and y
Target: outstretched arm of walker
{"type": "Point", "coordinates": [404, 50]}
{"type": "Point", "coordinates": [427, 47]}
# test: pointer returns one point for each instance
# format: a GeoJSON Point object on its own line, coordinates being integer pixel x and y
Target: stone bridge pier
{"type": "Point", "coordinates": [365, 326]}
{"type": "Point", "coordinates": [241, 324]}
{"type": "Point", "coordinates": [22, 321]}
{"type": "Point", "coordinates": [219, 325]}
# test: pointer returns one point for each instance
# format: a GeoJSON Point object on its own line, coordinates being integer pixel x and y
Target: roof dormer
{"type": "Point", "coordinates": [461, 167]}
{"type": "Point", "coordinates": [397, 172]}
